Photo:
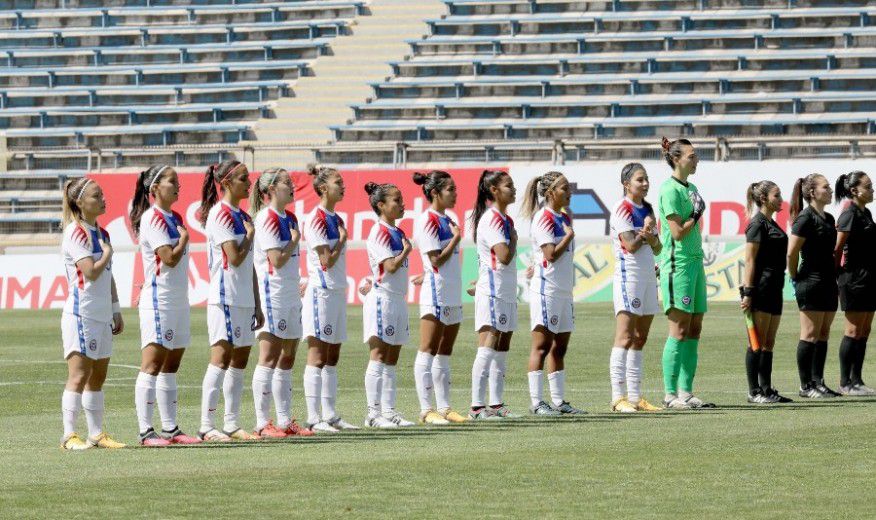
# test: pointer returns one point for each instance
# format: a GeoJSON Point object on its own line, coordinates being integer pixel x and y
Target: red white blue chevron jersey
{"type": "Point", "coordinates": [229, 285]}
{"type": "Point", "coordinates": [322, 228]}
{"type": "Point", "coordinates": [86, 298]}
{"type": "Point", "coordinates": [277, 286]}
{"type": "Point", "coordinates": [384, 242]}
{"type": "Point", "coordinates": [627, 216]}
{"type": "Point", "coordinates": [164, 287]}
{"type": "Point", "coordinates": [442, 286]}
{"type": "Point", "coordinates": [557, 278]}
{"type": "Point", "coordinates": [495, 278]}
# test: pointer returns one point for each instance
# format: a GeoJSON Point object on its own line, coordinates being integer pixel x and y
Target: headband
{"type": "Point", "coordinates": [157, 175]}
{"type": "Point", "coordinates": [82, 189]}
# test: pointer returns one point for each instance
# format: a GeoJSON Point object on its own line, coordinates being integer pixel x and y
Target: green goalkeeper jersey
{"type": "Point", "coordinates": [675, 199]}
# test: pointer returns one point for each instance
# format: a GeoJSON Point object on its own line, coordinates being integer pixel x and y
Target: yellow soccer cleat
{"type": "Point", "coordinates": [242, 435]}
{"type": "Point", "coordinates": [645, 406]}
{"type": "Point", "coordinates": [73, 442]}
{"type": "Point", "coordinates": [453, 416]}
{"type": "Point", "coordinates": [104, 441]}
{"type": "Point", "coordinates": [623, 406]}
{"type": "Point", "coordinates": [432, 417]}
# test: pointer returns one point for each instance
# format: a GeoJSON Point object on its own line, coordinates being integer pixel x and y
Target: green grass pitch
{"type": "Point", "coordinates": [803, 459]}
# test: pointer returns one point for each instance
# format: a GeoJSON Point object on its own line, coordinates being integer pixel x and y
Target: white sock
{"type": "Point", "coordinates": [497, 378]}
{"type": "Point", "coordinates": [144, 399]}
{"type": "Point", "coordinates": [92, 403]}
{"type": "Point", "coordinates": [210, 389]}
{"type": "Point", "coordinates": [312, 392]}
{"type": "Point", "coordinates": [423, 379]}
{"type": "Point", "coordinates": [557, 384]}
{"type": "Point", "coordinates": [536, 386]}
{"type": "Point", "coordinates": [480, 373]}
{"type": "Point", "coordinates": [261, 394]}
{"type": "Point", "coordinates": [281, 387]}
{"type": "Point", "coordinates": [634, 376]}
{"type": "Point", "coordinates": [441, 377]}
{"type": "Point", "coordinates": [387, 391]}
{"type": "Point", "coordinates": [617, 370]}
{"type": "Point", "coordinates": [71, 403]}
{"type": "Point", "coordinates": [373, 382]}
{"type": "Point", "coordinates": [232, 391]}
{"type": "Point", "coordinates": [329, 392]}
{"type": "Point", "coordinates": [166, 396]}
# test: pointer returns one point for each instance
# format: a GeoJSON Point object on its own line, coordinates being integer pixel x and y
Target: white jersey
{"type": "Point", "coordinates": [274, 231]}
{"type": "Point", "coordinates": [384, 242]}
{"type": "Point", "coordinates": [86, 298]}
{"type": "Point", "coordinates": [627, 216]}
{"type": "Point", "coordinates": [323, 229]}
{"type": "Point", "coordinates": [164, 287]}
{"type": "Point", "coordinates": [229, 285]}
{"type": "Point", "coordinates": [442, 286]}
{"type": "Point", "coordinates": [495, 278]}
{"type": "Point", "coordinates": [551, 278]}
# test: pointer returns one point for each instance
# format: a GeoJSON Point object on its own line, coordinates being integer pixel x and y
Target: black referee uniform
{"type": "Point", "coordinates": [769, 264]}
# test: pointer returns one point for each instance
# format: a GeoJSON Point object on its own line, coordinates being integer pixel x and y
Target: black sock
{"type": "Point", "coordinates": [819, 358]}
{"type": "Point", "coordinates": [805, 353]}
{"type": "Point", "coordinates": [766, 369]}
{"type": "Point", "coordinates": [858, 365]}
{"type": "Point", "coordinates": [848, 354]}
{"type": "Point", "coordinates": [752, 363]}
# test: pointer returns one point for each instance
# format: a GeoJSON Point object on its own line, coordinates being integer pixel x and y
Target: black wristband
{"type": "Point", "coordinates": [746, 292]}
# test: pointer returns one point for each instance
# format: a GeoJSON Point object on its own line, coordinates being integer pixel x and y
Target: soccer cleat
{"type": "Point", "coordinates": [823, 388]}
{"type": "Point", "coordinates": [379, 421]}
{"type": "Point", "coordinates": [294, 429]}
{"type": "Point", "coordinates": [432, 417]}
{"type": "Point", "coordinates": [676, 403]}
{"type": "Point", "coordinates": [542, 408]}
{"type": "Point", "coordinates": [73, 442]}
{"type": "Point", "coordinates": [176, 436]}
{"type": "Point", "coordinates": [757, 398]}
{"type": "Point", "coordinates": [151, 439]}
{"type": "Point", "coordinates": [621, 405]}
{"type": "Point", "coordinates": [567, 409]}
{"type": "Point", "coordinates": [397, 419]}
{"type": "Point", "coordinates": [322, 427]}
{"type": "Point", "coordinates": [270, 432]}
{"type": "Point", "coordinates": [812, 392]}
{"type": "Point", "coordinates": [242, 435]}
{"type": "Point", "coordinates": [861, 387]}
{"type": "Point", "coordinates": [696, 402]}
{"type": "Point", "coordinates": [213, 435]}
{"type": "Point", "coordinates": [341, 424]}
{"type": "Point", "coordinates": [104, 441]}
{"type": "Point", "coordinates": [853, 391]}
{"type": "Point", "coordinates": [776, 396]}
{"type": "Point", "coordinates": [453, 416]}
{"type": "Point", "coordinates": [645, 406]}
{"type": "Point", "coordinates": [503, 412]}
{"type": "Point", "coordinates": [482, 413]}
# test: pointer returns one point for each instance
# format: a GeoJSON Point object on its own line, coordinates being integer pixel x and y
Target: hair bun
{"type": "Point", "coordinates": [665, 144]}
{"type": "Point", "coordinates": [370, 187]}
{"type": "Point", "coordinates": [420, 178]}
{"type": "Point", "coordinates": [312, 169]}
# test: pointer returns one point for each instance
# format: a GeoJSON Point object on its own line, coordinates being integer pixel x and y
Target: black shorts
{"type": "Point", "coordinates": [816, 293]}
{"type": "Point", "coordinates": [856, 291]}
{"type": "Point", "coordinates": [767, 295]}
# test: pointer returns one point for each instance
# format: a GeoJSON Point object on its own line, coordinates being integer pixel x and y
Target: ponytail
{"type": "Point", "coordinates": [537, 189]}
{"type": "Point", "coordinates": [142, 190]}
{"type": "Point", "coordinates": [216, 174]}
{"type": "Point", "coordinates": [845, 183]}
{"type": "Point", "coordinates": [757, 193]}
{"type": "Point", "coordinates": [489, 178]}
{"type": "Point", "coordinates": [70, 197]}
{"type": "Point", "coordinates": [267, 179]}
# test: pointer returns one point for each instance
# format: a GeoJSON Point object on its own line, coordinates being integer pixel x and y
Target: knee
{"type": "Point", "coordinates": [558, 352]}
{"type": "Point", "coordinates": [541, 350]}
{"type": "Point", "coordinates": [77, 381]}
{"type": "Point", "coordinates": [639, 341]}
{"type": "Point", "coordinates": [625, 340]}
{"type": "Point", "coordinates": [171, 367]}
{"type": "Point", "coordinates": [693, 331]}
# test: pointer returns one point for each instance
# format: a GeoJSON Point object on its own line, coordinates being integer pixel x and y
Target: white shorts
{"type": "Point", "coordinates": [169, 328]}
{"type": "Point", "coordinates": [324, 315]}
{"type": "Point", "coordinates": [385, 318]}
{"type": "Point", "coordinates": [231, 324]}
{"type": "Point", "coordinates": [282, 321]}
{"type": "Point", "coordinates": [555, 314]}
{"type": "Point", "coordinates": [447, 315]}
{"type": "Point", "coordinates": [91, 338]}
{"type": "Point", "coordinates": [636, 297]}
{"type": "Point", "coordinates": [496, 313]}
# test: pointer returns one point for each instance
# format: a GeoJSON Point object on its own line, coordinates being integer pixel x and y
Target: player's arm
{"type": "Point", "coordinates": [170, 256]}
{"type": "Point", "coordinates": [92, 269]}
{"type": "Point", "coordinates": [118, 324]}
{"type": "Point", "coordinates": [631, 241]}
{"type": "Point", "coordinates": [841, 238]}
{"type": "Point", "coordinates": [393, 263]}
{"type": "Point", "coordinates": [751, 249]}
{"type": "Point", "coordinates": [439, 257]}
{"type": "Point", "coordinates": [328, 257]}
{"type": "Point", "coordinates": [260, 318]}
{"type": "Point", "coordinates": [552, 252]}
{"type": "Point", "coordinates": [795, 244]}
{"type": "Point", "coordinates": [236, 253]}
{"type": "Point", "coordinates": [679, 228]}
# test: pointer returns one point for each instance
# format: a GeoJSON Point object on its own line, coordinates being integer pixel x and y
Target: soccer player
{"type": "Point", "coordinates": [551, 309]}
{"type": "Point", "coordinates": [856, 234]}
{"type": "Point", "coordinates": [813, 237]}
{"type": "Point", "coordinates": [764, 280]}
{"type": "Point", "coordinates": [276, 266]}
{"type": "Point", "coordinates": [324, 312]}
{"type": "Point", "coordinates": [682, 275]}
{"type": "Point", "coordinates": [91, 316]}
{"type": "Point", "coordinates": [495, 293]}
{"type": "Point", "coordinates": [233, 310]}
{"type": "Point", "coordinates": [385, 310]}
{"type": "Point", "coordinates": [437, 237]}
{"type": "Point", "coordinates": [635, 242]}
{"type": "Point", "coordinates": [164, 303]}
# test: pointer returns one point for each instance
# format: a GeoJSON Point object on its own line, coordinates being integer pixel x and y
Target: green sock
{"type": "Point", "coordinates": [671, 362]}
{"type": "Point", "coordinates": [689, 357]}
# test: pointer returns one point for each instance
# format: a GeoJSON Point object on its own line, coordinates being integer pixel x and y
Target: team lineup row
{"type": "Point", "coordinates": [256, 294]}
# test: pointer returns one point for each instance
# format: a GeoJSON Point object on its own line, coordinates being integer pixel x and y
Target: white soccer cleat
{"type": "Point", "coordinates": [341, 424]}
{"type": "Point", "coordinates": [397, 419]}
{"type": "Point", "coordinates": [379, 421]}
{"type": "Point", "coordinates": [322, 427]}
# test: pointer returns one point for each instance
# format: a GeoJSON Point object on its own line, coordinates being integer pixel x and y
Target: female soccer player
{"type": "Point", "coordinates": [233, 310]}
{"type": "Point", "coordinates": [324, 312]}
{"type": "Point", "coordinates": [437, 237]}
{"type": "Point", "coordinates": [813, 236]}
{"type": "Point", "coordinates": [764, 280]}
{"type": "Point", "coordinates": [164, 303]}
{"type": "Point", "coordinates": [495, 293]}
{"type": "Point", "coordinates": [635, 241]}
{"type": "Point", "coordinates": [385, 310]}
{"type": "Point", "coordinates": [276, 266]}
{"type": "Point", "coordinates": [857, 277]}
{"type": "Point", "coordinates": [551, 310]}
{"type": "Point", "coordinates": [682, 275]}
{"type": "Point", "coordinates": [91, 316]}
